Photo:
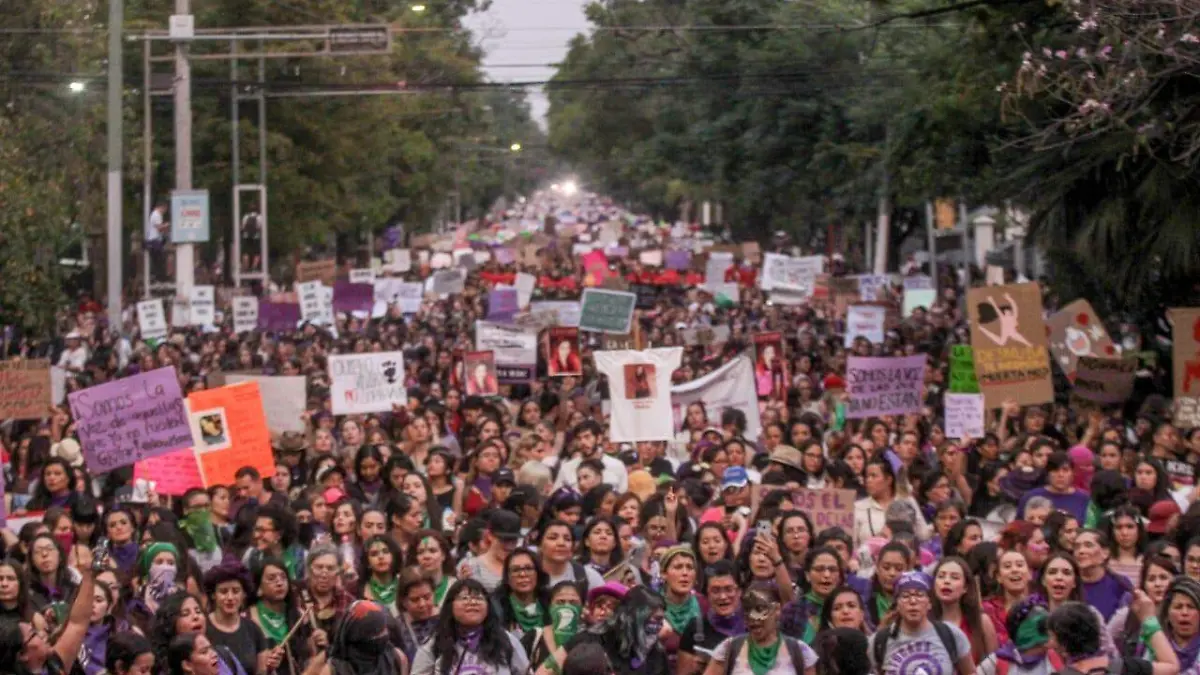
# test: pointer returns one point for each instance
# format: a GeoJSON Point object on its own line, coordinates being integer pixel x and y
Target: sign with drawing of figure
{"type": "Point", "coordinates": [1009, 341]}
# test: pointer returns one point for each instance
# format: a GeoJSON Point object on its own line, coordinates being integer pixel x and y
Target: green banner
{"type": "Point", "coordinates": [604, 311]}
{"type": "Point", "coordinates": [962, 370]}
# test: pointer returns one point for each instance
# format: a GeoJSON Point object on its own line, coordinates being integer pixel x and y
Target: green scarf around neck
{"type": "Point", "coordinates": [439, 593]}
{"type": "Point", "coordinates": [274, 624]}
{"type": "Point", "coordinates": [762, 658]}
{"type": "Point", "coordinates": [678, 616]}
{"type": "Point", "coordinates": [529, 616]}
{"type": "Point", "coordinates": [815, 604]}
{"type": "Point", "coordinates": [883, 605]}
{"type": "Point", "coordinates": [384, 592]}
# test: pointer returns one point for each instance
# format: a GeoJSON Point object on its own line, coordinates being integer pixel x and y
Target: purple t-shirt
{"type": "Point", "coordinates": [1075, 503]}
{"type": "Point", "coordinates": [1107, 595]}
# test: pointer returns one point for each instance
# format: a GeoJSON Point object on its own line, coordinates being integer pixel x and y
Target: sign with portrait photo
{"type": "Point", "coordinates": [771, 367]}
{"type": "Point", "coordinates": [639, 386]}
{"type": "Point", "coordinates": [562, 352]}
{"type": "Point", "coordinates": [479, 368]}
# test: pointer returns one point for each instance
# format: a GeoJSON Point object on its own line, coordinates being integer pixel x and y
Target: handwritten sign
{"type": "Point", "coordinates": [884, 386]}
{"type": "Point", "coordinates": [449, 282]}
{"type": "Point", "coordinates": [866, 321]}
{"type": "Point", "coordinates": [152, 320]}
{"type": "Point", "coordinates": [964, 415]}
{"type": "Point", "coordinates": [324, 271]}
{"type": "Point", "coordinates": [1104, 381]}
{"type": "Point", "coordinates": [25, 389]}
{"type": "Point", "coordinates": [605, 311]}
{"type": "Point", "coordinates": [131, 419]}
{"type": "Point", "coordinates": [245, 314]}
{"type": "Point", "coordinates": [202, 306]}
{"type": "Point", "coordinates": [1010, 340]}
{"type": "Point", "coordinates": [962, 370]}
{"type": "Point", "coordinates": [873, 287]}
{"type": "Point", "coordinates": [284, 397]}
{"type": "Point", "coordinates": [366, 383]}
{"type": "Point", "coordinates": [365, 275]}
{"type": "Point", "coordinates": [828, 507]}
{"type": "Point", "coordinates": [229, 431]}
{"type": "Point", "coordinates": [502, 304]}
{"type": "Point", "coordinates": [278, 316]}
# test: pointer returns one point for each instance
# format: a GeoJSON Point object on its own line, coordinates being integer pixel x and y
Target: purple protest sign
{"type": "Point", "coordinates": [349, 297]}
{"type": "Point", "coordinates": [504, 255]}
{"type": "Point", "coordinates": [884, 386]}
{"type": "Point", "coordinates": [678, 260]}
{"type": "Point", "coordinates": [278, 316]}
{"type": "Point", "coordinates": [503, 304]}
{"type": "Point", "coordinates": [131, 419]}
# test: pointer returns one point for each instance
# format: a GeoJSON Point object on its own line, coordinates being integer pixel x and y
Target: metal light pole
{"type": "Point", "coordinates": [116, 17]}
{"type": "Point", "coordinates": [185, 254]}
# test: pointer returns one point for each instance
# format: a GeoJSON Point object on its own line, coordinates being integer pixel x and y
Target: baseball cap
{"type": "Point", "coordinates": [1160, 514]}
{"type": "Point", "coordinates": [504, 475]}
{"type": "Point", "coordinates": [735, 477]}
{"type": "Point", "coordinates": [504, 525]}
{"type": "Point", "coordinates": [915, 580]}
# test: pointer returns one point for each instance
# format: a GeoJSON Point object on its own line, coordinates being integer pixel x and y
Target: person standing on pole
{"type": "Point", "coordinates": [156, 242]}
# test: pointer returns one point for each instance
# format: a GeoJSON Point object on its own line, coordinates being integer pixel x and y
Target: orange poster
{"type": "Point", "coordinates": [1009, 340]}
{"type": "Point", "coordinates": [229, 427]}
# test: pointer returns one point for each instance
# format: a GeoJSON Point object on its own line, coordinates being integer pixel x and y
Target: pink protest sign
{"type": "Point", "coordinates": [173, 473]}
{"type": "Point", "coordinates": [828, 507]}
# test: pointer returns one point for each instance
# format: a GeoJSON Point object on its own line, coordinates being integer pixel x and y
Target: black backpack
{"type": "Point", "coordinates": [879, 646]}
{"type": "Point", "coordinates": [792, 644]}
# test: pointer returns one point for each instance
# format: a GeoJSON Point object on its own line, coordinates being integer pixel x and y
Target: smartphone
{"type": "Point", "coordinates": [763, 527]}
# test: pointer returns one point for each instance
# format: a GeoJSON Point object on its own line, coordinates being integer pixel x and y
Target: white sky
{"type": "Point", "coordinates": [523, 38]}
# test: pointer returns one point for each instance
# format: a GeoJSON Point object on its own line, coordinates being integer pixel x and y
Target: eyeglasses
{"type": "Point", "coordinates": [470, 598]}
{"type": "Point", "coordinates": [912, 597]}
{"type": "Point", "coordinates": [524, 569]}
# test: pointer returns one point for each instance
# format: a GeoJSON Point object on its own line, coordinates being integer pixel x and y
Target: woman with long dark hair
{"type": "Point", "coordinates": [822, 572]}
{"type": "Point", "coordinates": [470, 635]}
{"type": "Point", "coordinates": [228, 586]}
{"type": "Point", "coordinates": [843, 609]}
{"type": "Point", "coordinates": [275, 608]}
{"type": "Point", "coordinates": [520, 599]}
{"type": "Point", "coordinates": [55, 486]}
{"type": "Point", "coordinates": [956, 601]}
{"type": "Point", "coordinates": [51, 580]}
{"type": "Point", "coordinates": [894, 560]}
{"type": "Point", "coordinates": [632, 632]}
{"type": "Point", "coordinates": [26, 648]}
{"type": "Point", "coordinates": [1125, 628]}
{"type": "Point", "coordinates": [599, 548]}
{"type": "Point", "coordinates": [368, 471]}
{"type": "Point", "coordinates": [180, 614]}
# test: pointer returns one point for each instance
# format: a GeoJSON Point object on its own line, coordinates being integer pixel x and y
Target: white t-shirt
{"type": "Point", "coordinates": [152, 225]}
{"type": "Point", "coordinates": [639, 386]}
{"type": "Point", "coordinates": [783, 661]}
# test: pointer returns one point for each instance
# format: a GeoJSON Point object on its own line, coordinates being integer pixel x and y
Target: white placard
{"type": "Point", "coordinates": [398, 260]}
{"type": "Point", "coordinates": [567, 312]}
{"type": "Point", "coordinates": [640, 391]}
{"type": "Point", "coordinates": [873, 287]}
{"type": "Point", "coordinates": [312, 301]}
{"type": "Point", "coordinates": [865, 321]}
{"type": "Point", "coordinates": [729, 387]}
{"type": "Point", "coordinates": [362, 276]}
{"type": "Point", "coordinates": [524, 283]}
{"type": "Point", "coordinates": [152, 320]}
{"type": "Point", "coordinates": [651, 258]}
{"type": "Point", "coordinates": [245, 314]}
{"type": "Point", "coordinates": [179, 312]}
{"type": "Point", "coordinates": [785, 273]}
{"type": "Point", "coordinates": [512, 345]}
{"type": "Point", "coordinates": [203, 310]}
{"type": "Point", "coordinates": [367, 383]}
{"type": "Point", "coordinates": [714, 270]}
{"type": "Point", "coordinates": [284, 398]}
{"type": "Point", "coordinates": [409, 296]}
{"type": "Point", "coordinates": [964, 416]}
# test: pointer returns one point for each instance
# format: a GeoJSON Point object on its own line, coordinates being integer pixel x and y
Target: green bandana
{"type": "Point", "coordinates": [384, 593]}
{"type": "Point", "coordinates": [883, 605]}
{"type": "Point", "coordinates": [274, 624]}
{"type": "Point", "coordinates": [565, 619]}
{"type": "Point", "coordinates": [678, 616]}
{"type": "Point", "coordinates": [529, 616]}
{"type": "Point", "coordinates": [1032, 631]}
{"type": "Point", "coordinates": [198, 525]}
{"type": "Point", "coordinates": [439, 593]}
{"type": "Point", "coordinates": [291, 560]}
{"type": "Point", "coordinates": [762, 658]}
{"type": "Point", "coordinates": [815, 604]}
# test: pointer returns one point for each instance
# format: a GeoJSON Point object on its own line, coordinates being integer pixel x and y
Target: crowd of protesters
{"type": "Point", "coordinates": [507, 535]}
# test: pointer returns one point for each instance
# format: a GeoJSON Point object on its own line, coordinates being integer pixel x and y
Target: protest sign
{"type": "Point", "coordinates": [323, 271]}
{"type": "Point", "coordinates": [1105, 381]}
{"type": "Point", "coordinates": [964, 416]}
{"type": "Point", "coordinates": [502, 304]}
{"type": "Point", "coordinates": [915, 298]}
{"type": "Point", "coordinates": [409, 296]}
{"type": "Point", "coordinates": [515, 349]}
{"type": "Point", "coordinates": [152, 320]}
{"type": "Point", "coordinates": [629, 341]}
{"type": "Point", "coordinates": [714, 270]}
{"type": "Point", "coordinates": [704, 335]}
{"type": "Point", "coordinates": [678, 260]}
{"type": "Point", "coordinates": [25, 390]}
{"type": "Point", "coordinates": [1008, 337]}
{"type": "Point", "coordinates": [365, 275]}
{"type": "Point", "coordinates": [827, 507]}
{"type": "Point", "coordinates": [788, 274]}
{"type": "Point", "coordinates": [245, 314]}
{"type": "Point", "coordinates": [284, 397]}
{"type": "Point", "coordinates": [918, 282]}
{"type": "Point", "coordinates": [366, 383]}
{"type": "Point", "coordinates": [449, 282]}
{"type": "Point", "coordinates": [524, 283]}
{"type": "Point", "coordinates": [730, 387]}
{"type": "Point", "coordinates": [752, 252]}
{"type": "Point", "coordinates": [504, 255]}
{"type": "Point", "coordinates": [315, 304]}
{"type": "Point", "coordinates": [562, 352]}
{"type": "Point", "coordinates": [173, 473]}
{"type": "Point", "coordinates": [557, 312]}
{"type": "Point", "coordinates": [278, 317]}
{"type": "Point", "coordinates": [229, 431]}
{"type": "Point", "coordinates": [873, 287]}
{"type": "Point", "coordinates": [962, 370]}
{"type": "Point", "coordinates": [1186, 358]}
{"type": "Point", "coordinates": [771, 367]}
{"type": "Point", "coordinates": [353, 297]}
{"type": "Point", "coordinates": [202, 306]}
{"type": "Point", "coordinates": [58, 385]}
{"type": "Point", "coordinates": [479, 371]}
{"type": "Point", "coordinates": [605, 311]}
{"type": "Point", "coordinates": [884, 386]}
{"type": "Point", "coordinates": [651, 258]}
{"type": "Point", "coordinates": [865, 321]}
{"type": "Point", "coordinates": [398, 260]}
{"type": "Point", "coordinates": [1076, 331]}
{"type": "Point", "coordinates": [440, 261]}
{"type": "Point", "coordinates": [640, 393]}
{"type": "Point", "coordinates": [130, 419]}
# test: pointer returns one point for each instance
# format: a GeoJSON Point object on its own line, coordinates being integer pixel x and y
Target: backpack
{"type": "Point", "coordinates": [879, 646]}
{"type": "Point", "coordinates": [793, 647]}
{"type": "Point", "coordinates": [1056, 663]}
{"type": "Point", "coordinates": [1116, 666]}
{"type": "Point", "coordinates": [581, 577]}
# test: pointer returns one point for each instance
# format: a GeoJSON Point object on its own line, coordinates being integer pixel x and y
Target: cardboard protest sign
{"type": "Point", "coordinates": [514, 349]}
{"type": "Point", "coordinates": [962, 370]}
{"type": "Point", "coordinates": [503, 304]}
{"type": "Point", "coordinates": [562, 352]}
{"type": "Point", "coordinates": [229, 431]}
{"type": "Point", "coordinates": [884, 386]}
{"type": "Point", "coordinates": [640, 392]}
{"type": "Point", "coordinates": [449, 282]}
{"type": "Point", "coordinates": [785, 273]}
{"type": "Point", "coordinates": [873, 287]}
{"type": "Point", "coordinates": [771, 367]}
{"type": "Point", "coordinates": [245, 314]}
{"type": "Point", "coordinates": [1186, 357]}
{"type": "Point", "coordinates": [278, 316]}
{"type": "Point", "coordinates": [353, 297]}
{"type": "Point", "coordinates": [130, 419]}
{"type": "Point", "coordinates": [479, 369]}
{"type": "Point", "coordinates": [1076, 331]}
{"type": "Point", "coordinates": [324, 271]}
{"type": "Point", "coordinates": [964, 416]}
{"type": "Point", "coordinates": [365, 275]}
{"type": "Point", "coordinates": [1009, 341]}
{"type": "Point", "coordinates": [25, 389]}
{"type": "Point", "coordinates": [865, 321]}
{"type": "Point", "coordinates": [729, 387]}
{"type": "Point", "coordinates": [1105, 381]}
{"type": "Point", "coordinates": [366, 383]}
{"type": "Point", "coordinates": [173, 473]}
{"type": "Point", "coordinates": [827, 507]}
{"type": "Point", "coordinates": [152, 320]}
{"type": "Point", "coordinates": [605, 311]}
{"type": "Point", "coordinates": [284, 398]}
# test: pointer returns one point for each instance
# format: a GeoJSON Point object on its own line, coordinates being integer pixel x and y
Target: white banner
{"type": "Point", "coordinates": [865, 321]}
{"type": "Point", "coordinates": [284, 398]}
{"type": "Point", "coordinates": [524, 284]}
{"type": "Point", "coordinates": [730, 386]}
{"type": "Point", "coordinates": [513, 345]}
{"type": "Point", "coordinates": [152, 320]}
{"type": "Point", "coordinates": [315, 304]}
{"type": "Point", "coordinates": [367, 383]}
{"type": "Point", "coordinates": [714, 270]}
{"type": "Point", "coordinates": [245, 314]}
{"type": "Point", "coordinates": [785, 273]}
{"type": "Point", "coordinates": [964, 416]}
{"type": "Point", "coordinates": [639, 389]}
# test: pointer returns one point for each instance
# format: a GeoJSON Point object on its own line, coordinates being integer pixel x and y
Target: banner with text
{"type": "Point", "coordinates": [1008, 337]}
{"type": "Point", "coordinates": [367, 383]}
{"type": "Point", "coordinates": [884, 386]}
{"type": "Point", "coordinates": [130, 419]}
